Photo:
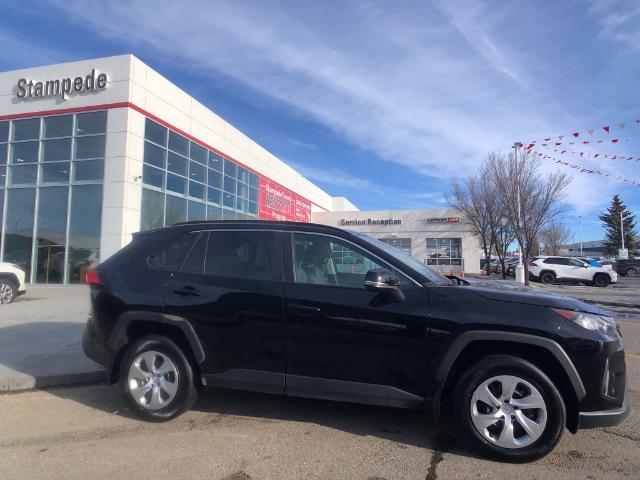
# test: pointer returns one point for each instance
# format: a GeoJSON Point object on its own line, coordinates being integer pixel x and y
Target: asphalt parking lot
{"type": "Point", "coordinates": [87, 431]}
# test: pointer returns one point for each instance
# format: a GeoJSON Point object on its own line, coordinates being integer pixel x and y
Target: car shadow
{"type": "Point", "coordinates": [407, 427]}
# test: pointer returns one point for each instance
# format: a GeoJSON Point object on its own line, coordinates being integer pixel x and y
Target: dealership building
{"type": "Point", "coordinates": [440, 238]}
{"type": "Point", "coordinates": [94, 151]}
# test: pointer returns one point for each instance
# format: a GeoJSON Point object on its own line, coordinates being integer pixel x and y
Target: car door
{"type": "Point", "coordinates": [229, 287]}
{"type": "Point", "coordinates": [560, 266]}
{"type": "Point", "coordinates": [344, 342]}
{"type": "Point", "coordinates": [580, 270]}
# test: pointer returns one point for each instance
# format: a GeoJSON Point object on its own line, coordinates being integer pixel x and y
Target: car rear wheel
{"type": "Point", "coordinates": [548, 278]}
{"type": "Point", "coordinates": [509, 409]}
{"type": "Point", "coordinates": [630, 272]}
{"type": "Point", "coordinates": [156, 379]}
{"type": "Point", "coordinates": [601, 280]}
{"type": "Point", "coordinates": [8, 291]}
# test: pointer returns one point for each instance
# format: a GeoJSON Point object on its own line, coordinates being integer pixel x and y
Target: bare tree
{"type": "Point", "coordinates": [553, 237]}
{"type": "Point", "coordinates": [531, 200]}
{"type": "Point", "coordinates": [473, 197]}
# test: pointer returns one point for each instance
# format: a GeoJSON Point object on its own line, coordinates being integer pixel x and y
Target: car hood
{"type": "Point", "coordinates": [508, 292]}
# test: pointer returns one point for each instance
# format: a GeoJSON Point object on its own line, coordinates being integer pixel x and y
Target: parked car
{"type": "Point", "coordinates": [628, 268]}
{"type": "Point", "coordinates": [11, 282]}
{"type": "Point", "coordinates": [591, 261]}
{"type": "Point", "coordinates": [275, 307]}
{"type": "Point", "coordinates": [569, 269]}
{"type": "Point", "coordinates": [511, 265]}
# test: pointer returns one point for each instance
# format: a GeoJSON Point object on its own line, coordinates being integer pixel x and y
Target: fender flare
{"type": "Point", "coordinates": [472, 336]}
{"type": "Point", "coordinates": [118, 335]}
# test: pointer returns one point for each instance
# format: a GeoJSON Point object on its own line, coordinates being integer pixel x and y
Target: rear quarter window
{"type": "Point", "coordinates": [170, 256]}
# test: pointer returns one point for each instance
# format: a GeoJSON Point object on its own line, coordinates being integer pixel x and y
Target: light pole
{"type": "Point", "coordinates": [580, 223]}
{"type": "Point", "coordinates": [520, 267]}
{"type": "Point", "coordinates": [622, 230]}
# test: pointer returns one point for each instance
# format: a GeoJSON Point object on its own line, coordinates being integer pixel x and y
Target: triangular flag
{"type": "Point", "coordinates": [558, 143]}
{"type": "Point", "coordinates": [576, 134]}
{"type": "Point", "coordinates": [581, 154]}
{"type": "Point", "coordinates": [591, 131]}
{"type": "Point", "coordinates": [585, 142]}
{"type": "Point", "coordinates": [548, 139]}
{"type": "Point", "coordinates": [596, 155]}
{"type": "Point", "coordinates": [615, 140]}
{"type": "Point", "coordinates": [562, 152]}
{"type": "Point", "coordinates": [606, 129]}
{"type": "Point", "coordinates": [622, 124]}
{"type": "Point", "coordinates": [599, 141]}
{"type": "Point", "coordinates": [560, 137]}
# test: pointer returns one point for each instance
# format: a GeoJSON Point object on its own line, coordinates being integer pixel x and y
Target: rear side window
{"type": "Point", "coordinates": [170, 256]}
{"type": "Point", "coordinates": [241, 254]}
{"type": "Point", "coordinates": [194, 263]}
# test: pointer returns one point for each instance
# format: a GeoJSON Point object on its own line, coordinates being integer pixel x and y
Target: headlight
{"type": "Point", "coordinates": [590, 321]}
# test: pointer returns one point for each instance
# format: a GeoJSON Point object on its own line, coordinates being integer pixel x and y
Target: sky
{"type": "Point", "coordinates": [386, 103]}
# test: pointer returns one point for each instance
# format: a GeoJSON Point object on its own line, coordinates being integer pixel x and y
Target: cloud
{"type": "Point", "coordinates": [422, 85]}
{"type": "Point", "coordinates": [301, 143]}
{"type": "Point", "coordinates": [619, 20]}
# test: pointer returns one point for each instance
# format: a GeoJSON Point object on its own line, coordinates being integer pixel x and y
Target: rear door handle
{"type": "Point", "coordinates": [187, 291]}
{"type": "Point", "coordinates": [304, 309]}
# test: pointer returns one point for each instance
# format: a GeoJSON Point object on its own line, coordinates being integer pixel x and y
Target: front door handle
{"type": "Point", "coordinates": [304, 309]}
{"type": "Point", "coordinates": [187, 291]}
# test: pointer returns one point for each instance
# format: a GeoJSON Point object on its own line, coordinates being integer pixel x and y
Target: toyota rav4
{"type": "Point", "coordinates": [314, 311]}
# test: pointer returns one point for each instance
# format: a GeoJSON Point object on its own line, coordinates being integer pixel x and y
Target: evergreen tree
{"type": "Point", "coordinates": [611, 223]}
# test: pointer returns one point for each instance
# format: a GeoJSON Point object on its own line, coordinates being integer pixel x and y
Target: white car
{"type": "Point", "coordinates": [567, 269]}
{"type": "Point", "coordinates": [11, 282]}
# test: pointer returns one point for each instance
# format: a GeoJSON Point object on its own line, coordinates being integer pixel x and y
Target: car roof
{"type": "Point", "coordinates": [249, 225]}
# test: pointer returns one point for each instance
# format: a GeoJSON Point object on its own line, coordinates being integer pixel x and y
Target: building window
{"type": "Point", "coordinates": [402, 244]}
{"type": "Point", "coordinates": [444, 252]}
{"type": "Point", "coordinates": [51, 174]}
{"type": "Point", "coordinates": [188, 181]}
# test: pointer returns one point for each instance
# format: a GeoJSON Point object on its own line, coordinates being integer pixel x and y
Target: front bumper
{"type": "Point", "coordinates": [604, 418]}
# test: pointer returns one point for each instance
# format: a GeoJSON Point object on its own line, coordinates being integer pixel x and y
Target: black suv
{"type": "Point", "coordinates": [628, 268]}
{"type": "Point", "coordinates": [314, 311]}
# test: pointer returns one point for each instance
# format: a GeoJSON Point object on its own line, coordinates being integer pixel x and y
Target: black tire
{"type": "Point", "coordinates": [496, 365]}
{"type": "Point", "coordinates": [601, 280]}
{"type": "Point", "coordinates": [630, 272]}
{"type": "Point", "coordinates": [186, 393]}
{"type": "Point", "coordinates": [548, 278]}
{"type": "Point", "coordinates": [8, 291]}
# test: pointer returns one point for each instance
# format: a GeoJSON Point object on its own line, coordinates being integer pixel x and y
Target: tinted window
{"type": "Point", "coordinates": [26, 129]}
{"type": "Point", "coordinates": [241, 254]}
{"type": "Point", "coordinates": [552, 261]}
{"type": "Point", "coordinates": [58, 126]}
{"type": "Point", "coordinates": [155, 132]}
{"type": "Point", "coordinates": [170, 256]}
{"type": "Point", "coordinates": [194, 263]}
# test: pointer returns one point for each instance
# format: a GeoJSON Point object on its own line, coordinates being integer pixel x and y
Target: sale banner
{"type": "Point", "coordinates": [279, 203]}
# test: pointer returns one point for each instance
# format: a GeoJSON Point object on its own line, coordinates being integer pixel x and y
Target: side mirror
{"type": "Point", "coordinates": [384, 282]}
{"type": "Point", "coordinates": [459, 281]}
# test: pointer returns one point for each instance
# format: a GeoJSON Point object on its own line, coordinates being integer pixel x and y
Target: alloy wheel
{"type": "Point", "coordinates": [630, 272]}
{"type": "Point", "coordinates": [508, 411]}
{"type": "Point", "coordinates": [153, 380]}
{"type": "Point", "coordinates": [6, 292]}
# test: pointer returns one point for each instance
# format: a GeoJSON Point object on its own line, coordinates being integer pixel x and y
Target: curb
{"type": "Point", "coordinates": [22, 382]}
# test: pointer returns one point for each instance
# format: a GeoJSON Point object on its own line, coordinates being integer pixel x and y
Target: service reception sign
{"type": "Point", "coordinates": [279, 203]}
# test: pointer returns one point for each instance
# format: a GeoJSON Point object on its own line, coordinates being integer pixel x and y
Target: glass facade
{"type": "Point", "coordinates": [184, 181]}
{"type": "Point", "coordinates": [444, 252]}
{"type": "Point", "coordinates": [51, 174]}
{"type": "Point", "coordinates": [402, 244]}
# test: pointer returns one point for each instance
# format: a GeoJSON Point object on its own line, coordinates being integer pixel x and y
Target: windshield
{"type": "Point", "coordinates": [405, 259]}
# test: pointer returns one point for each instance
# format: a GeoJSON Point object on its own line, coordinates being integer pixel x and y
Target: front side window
{"type": "Point", "coordinates": [241, 254]}
{"type": "Point", "coordinates": [322, 260]}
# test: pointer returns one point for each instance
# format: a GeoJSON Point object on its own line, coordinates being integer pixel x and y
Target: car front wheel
{"type": "Point", "coordinates": [156, 379]}
{"type": "Point", "coordinates": [509, 409]}
{"type": "Point", "coordinates": [8, 291]}
{"type": "Point", "coordinates": [630, 272]}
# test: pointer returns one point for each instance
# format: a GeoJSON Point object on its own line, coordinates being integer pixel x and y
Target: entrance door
{"type": "Point", "coordinates": [344, 342]}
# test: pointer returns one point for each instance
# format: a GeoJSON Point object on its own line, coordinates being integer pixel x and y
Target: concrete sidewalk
{"type": "Point", "coordinates": [41, 339]}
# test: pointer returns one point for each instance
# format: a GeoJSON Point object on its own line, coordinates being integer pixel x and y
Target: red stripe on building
{"type": "Point", "coordinates": [109, 106]}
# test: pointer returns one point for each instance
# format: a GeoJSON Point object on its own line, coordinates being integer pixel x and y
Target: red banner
{"type": "Point", "coordinates": [279, 203]}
